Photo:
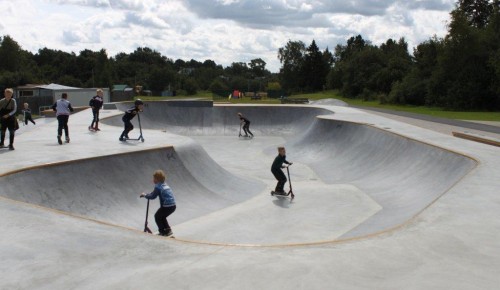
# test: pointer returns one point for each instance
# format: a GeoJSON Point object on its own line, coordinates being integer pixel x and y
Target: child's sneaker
{"type": "Point", "coordinates": [2, 145]}
{"type": "Point", "coordinates": [11, 147]}
{"type": "Point", "coordinates": [166, 233]}
{"type": "Point", "coordinates": [67, 139]}
{"type": "Point", "coordinates": [59, 140]}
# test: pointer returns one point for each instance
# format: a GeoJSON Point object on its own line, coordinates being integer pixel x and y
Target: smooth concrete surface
{"type": "Point", "coordinates": [380, 204]}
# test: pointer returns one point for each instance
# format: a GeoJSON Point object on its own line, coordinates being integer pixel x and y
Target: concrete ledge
{"type": "Point", "coordinates": [477, 138]}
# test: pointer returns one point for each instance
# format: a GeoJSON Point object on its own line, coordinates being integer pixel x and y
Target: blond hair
{"type": "Point", "coordinates": [10, 90]}
{"type": "Point", "coordinates": [99, 91]}
{"type": "Point", "coordinates": [159, 176]}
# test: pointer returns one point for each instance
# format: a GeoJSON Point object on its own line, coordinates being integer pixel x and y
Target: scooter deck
{"type": "Point", "coordinates": [134, 139]}
{"type": "Point", "coordinates": [286, 195]}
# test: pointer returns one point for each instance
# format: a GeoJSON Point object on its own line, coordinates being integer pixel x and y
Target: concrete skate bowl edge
{"type": "Point", "coordinates": [404, 176]}
{"type": "Point", "coordinates": [106, 188]}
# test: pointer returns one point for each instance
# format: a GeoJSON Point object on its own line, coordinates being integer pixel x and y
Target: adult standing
{"type": "Point", "coordinates": [63, 109]}
{"type": "Point", "coordinates": [8, 108]}
{"type": "Point", "coordinates": [96, 105]}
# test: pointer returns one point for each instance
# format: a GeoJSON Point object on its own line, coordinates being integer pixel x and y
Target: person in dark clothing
{"type": "Point", "coordinates": [63, 109]}
{"type": "Point", "coordinates": [8, 108]}
{"type": "Point", "coordinates": [246, 125]}
{"type": "Point", "coordinates": [27, 114]}
{"type": "Point", "coordinates": [127, 118]}
{"type": "Point", "coordinates": [96, 104]}
{"type": "Point", "coordinates": [277, 172]}
{"type": "Point", "coordinates": [167, 202]}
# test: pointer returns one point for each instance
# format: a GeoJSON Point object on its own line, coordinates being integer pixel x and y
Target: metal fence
{"type": "Point", "coordinates": [35, 103]}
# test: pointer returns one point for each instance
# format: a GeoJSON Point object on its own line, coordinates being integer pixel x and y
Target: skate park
{"type": "Point", "coordinates": [380, 204]}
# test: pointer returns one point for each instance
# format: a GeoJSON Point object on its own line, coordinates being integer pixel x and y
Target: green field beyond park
{"type": "Point", "coordinates": [432, 111]}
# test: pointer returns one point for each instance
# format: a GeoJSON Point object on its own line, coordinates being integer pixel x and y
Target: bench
{"type": "Point", "coordinates": [294, 100]}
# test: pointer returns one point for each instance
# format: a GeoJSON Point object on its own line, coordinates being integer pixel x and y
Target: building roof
{"type": "Point", "coordinates": [52, 86]}
{"type": "Point", "coordinates": [119, 87]}
{"type": "Point", "coordinates": [28, 86]}
{"type": "Point", "coordinates": [56, 87]}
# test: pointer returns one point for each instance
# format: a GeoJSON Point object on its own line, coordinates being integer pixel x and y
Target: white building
{"type": "Point", "coordinates": [45, 95]}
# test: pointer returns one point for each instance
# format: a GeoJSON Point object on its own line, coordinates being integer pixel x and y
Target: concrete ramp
{"type": "Point", "coordinates": [223, 121]}
{"type": "Point", "coordinates": [351, 180]}
{"type": "Point", "coordinates": [402, 175]}
{"type": "Point", "coordinates": [107, 188]}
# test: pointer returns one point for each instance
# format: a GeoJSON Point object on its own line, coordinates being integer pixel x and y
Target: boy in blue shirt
{"type": "Point", "coordinates": [167, 202]}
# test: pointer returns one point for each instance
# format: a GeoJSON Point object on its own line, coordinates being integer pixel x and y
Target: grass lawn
{"type": "Point", "coordinates": [432, 111]}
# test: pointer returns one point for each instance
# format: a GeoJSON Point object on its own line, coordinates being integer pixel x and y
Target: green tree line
{"type": "Point", "coordinates": [144, 67]}
{"type": "Point", "coordinates": [458, 72]}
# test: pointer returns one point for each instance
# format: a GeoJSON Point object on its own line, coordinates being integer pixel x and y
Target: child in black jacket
{"type": "Point", "coordinates": [129, 115]}
{"type": "Point", "coordinates": [27, 114]}
{"type": "Point", "coordinates": [277, 172]}
{"type": "Point", "coordinates": [96, 104]}
{"type": "Point", "coordinates": [246, 125]}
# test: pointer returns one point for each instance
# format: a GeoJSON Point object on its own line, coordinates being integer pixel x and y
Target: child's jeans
{"type": "Point", "coordinates": [280, 176]}
{"type": "Point", "coordinates": [161, 218]}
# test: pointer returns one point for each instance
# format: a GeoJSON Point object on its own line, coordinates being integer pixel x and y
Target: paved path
{"type": "Point", "coordinates": [492, 127]}
{"type": "Point", "coordinates": [381, 204]}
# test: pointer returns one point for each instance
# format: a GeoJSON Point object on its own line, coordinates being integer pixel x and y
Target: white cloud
{"type": "Point", "coordinates": [136, 5]}
{"type": "Point", "coordinates": [225, 31]}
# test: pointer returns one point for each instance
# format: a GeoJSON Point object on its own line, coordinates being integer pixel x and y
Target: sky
{"type": "Point", "coordinates": [224, 31]}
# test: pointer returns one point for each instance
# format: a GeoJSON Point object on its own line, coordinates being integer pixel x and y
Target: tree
{"type": "Point", "coordinates": [160, 79]}
{"type": "Point", "coordinates": [477, 12]}
{"type": "Point", "coordinates": [238, 69]}
{"type": "Point", "coordinates": [413, 88]}
{"type": "Point", "coordinates": [463, 78]}
{"type": "Point", "coordinates": [10, 54]}
{"type": "Point", "coordinates": [218, 85]}
{"type": "Point", "coordinates": [205, 76]}
{"type": "Point", "coordinates": [359, 71]}
{"type": "Point", "coordinates": [257, 67]}
{"type": "Point", "coordinates": [341, 58]}
{"type": "Point", "coordinates": [291, 58]}
{"type": "Point", "coordinates": [354, 45]}
{"type": "Point", "coordinates": [397, 63]}
{"type": "Point", "coordinates": [314, 69]}
{"type": "Point", "coordinates": [190, 86]}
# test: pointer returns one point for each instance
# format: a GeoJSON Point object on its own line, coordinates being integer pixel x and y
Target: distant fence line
{"type": "Point", "coordinates": [34, 102]}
